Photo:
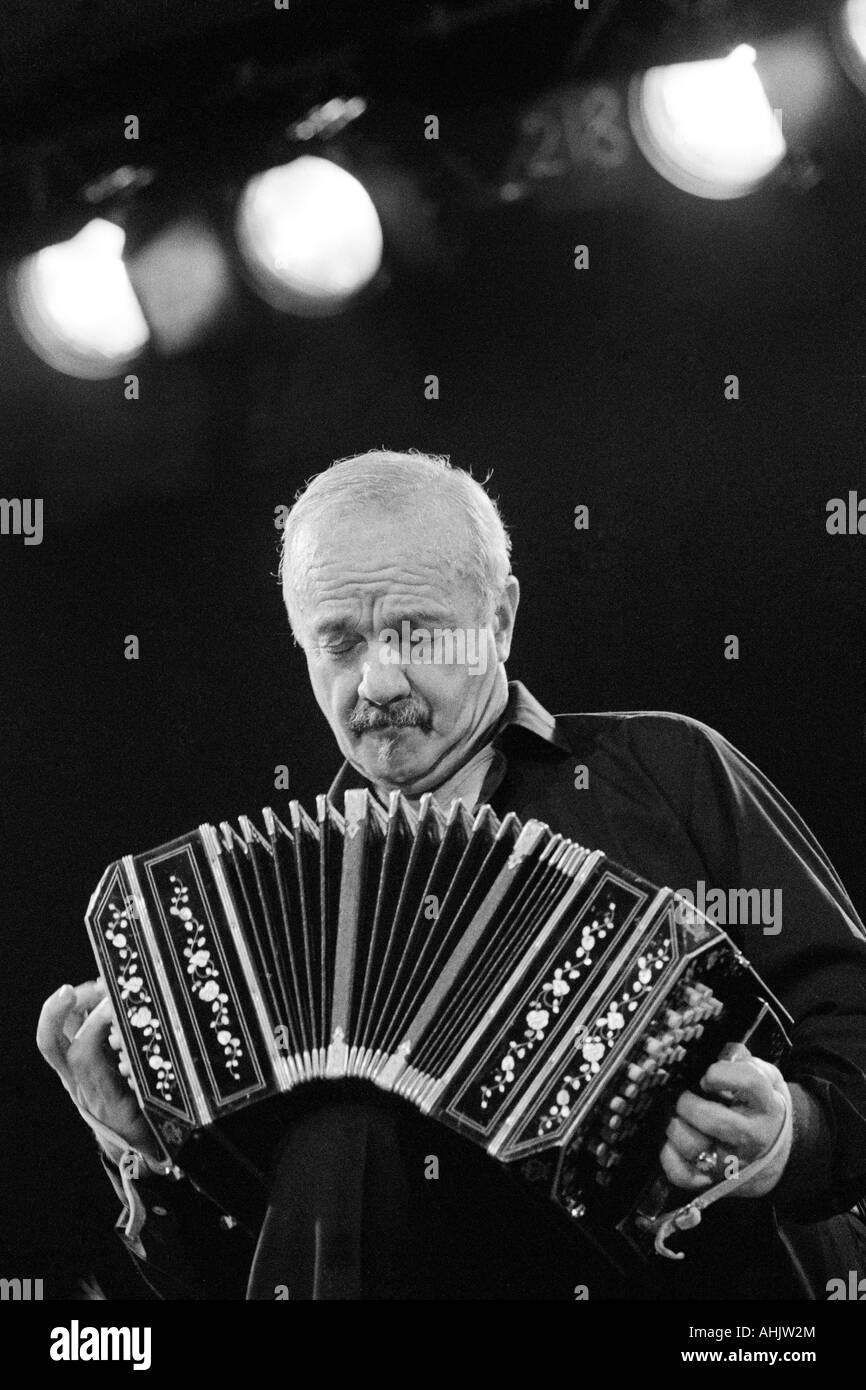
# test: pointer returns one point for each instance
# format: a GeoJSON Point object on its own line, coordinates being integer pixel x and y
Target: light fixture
{"type": "Point", "coordinates": [707, 126]}
{"type": "Point", "coordinates": [73, 303]}
{"type": "Point", "coordinates": [310, 236]}
{"type": "Point", "coordinates": [854, 24]}
{"type": "Point", "coordinates": [850, 35]}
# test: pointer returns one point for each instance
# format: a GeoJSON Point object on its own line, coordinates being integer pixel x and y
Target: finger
{"type": "Point", "coordinates": [91, 993]}
{"type": "Point", "coordinates": [87, 996]}
{"type": "Point", "coordinates": [125, 1068]}
{"type": "Point", "coordinates": [101, 1016]}
{"type": "Point", "coordinates": [742, 1082]}
{"type": "Point", "coordinates": [772, 1073]}
{"type": "Point", "coordinates": [87, 1060]}
{"type": "Point", "coordinates": [90, 1038]}
{"type": "Point", "coordinates": [116, 1043]}
{"type": "Point", "coordinates": [686, 1140]}
{"type": "Point", "coordinates": [680, 1173]}
{"type": "Point", "coordinates": [50, 1038]}
{"type": "Point", "coordinates": [732, 1052]}
{"type": "Point", "coordinates": [722, 1124]}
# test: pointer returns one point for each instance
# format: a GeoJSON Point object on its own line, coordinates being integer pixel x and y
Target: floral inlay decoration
{"type": "Point", "coordinates": [205, 976]}
{"type": "Point", "coordinates": [592, 1044]}
{"type": "Point", "coordinates": [549, 1001]}
{"type": "Point", "coordinates": [138, 1003]}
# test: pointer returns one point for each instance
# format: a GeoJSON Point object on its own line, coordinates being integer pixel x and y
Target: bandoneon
{"type": "Point", "coordinates": [545, 1002]}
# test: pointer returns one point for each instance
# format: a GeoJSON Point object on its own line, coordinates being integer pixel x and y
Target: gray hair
{"type": "Point", "coordinates": [403, 482]}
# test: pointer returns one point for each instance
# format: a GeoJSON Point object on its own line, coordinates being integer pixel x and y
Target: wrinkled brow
{"type": "Point", "coordinates": [337, 625]}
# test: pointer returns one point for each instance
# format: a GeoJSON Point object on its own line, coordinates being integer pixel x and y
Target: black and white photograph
{"type": "Point", "coordinates": [433, 552]}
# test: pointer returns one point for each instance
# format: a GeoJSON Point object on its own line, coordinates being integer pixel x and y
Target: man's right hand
{"type": "Point", "coordinates": [74, 1026]}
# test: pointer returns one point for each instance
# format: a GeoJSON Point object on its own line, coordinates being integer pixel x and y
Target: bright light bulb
{"type": "Point", "coordinates": [849, 34]}
{"type": "Point", "coordinates": [75, 306]}
{"type": "Point", "coordinates": [708, 126]}
{"type": "Point", "coordinates": [309, 234]}
{"type": "Point", "coordinates": [854, 25]}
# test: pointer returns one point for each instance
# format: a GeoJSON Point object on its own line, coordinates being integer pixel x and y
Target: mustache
{"type": "Point", "coordinates": [411, 713]}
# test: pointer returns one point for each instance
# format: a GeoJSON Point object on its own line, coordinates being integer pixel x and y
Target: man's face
{"type": "Point", "coordinates": [403, 713]}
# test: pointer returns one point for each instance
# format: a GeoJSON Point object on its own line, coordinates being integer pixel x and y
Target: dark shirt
{"type": "Point", "coordinates": [350, 1213]}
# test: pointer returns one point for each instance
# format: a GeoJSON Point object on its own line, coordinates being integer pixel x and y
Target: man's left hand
{"type": "Point", "coordinates": [736, 1120]}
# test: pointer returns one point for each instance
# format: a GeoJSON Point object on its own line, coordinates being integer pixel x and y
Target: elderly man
{"type": "Point", "coordinates": [384, 546]}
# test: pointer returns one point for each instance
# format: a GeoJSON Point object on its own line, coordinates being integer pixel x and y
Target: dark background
{"type": "Point", "coordinates": [707, 517]}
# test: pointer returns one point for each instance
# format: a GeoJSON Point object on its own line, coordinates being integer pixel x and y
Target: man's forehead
{"type": "Point", "coordinates": [383, 596]}
{"type": "Point", "coordinates": [332, 534]}
{"type": "Point", "coordinates": [400, 561]}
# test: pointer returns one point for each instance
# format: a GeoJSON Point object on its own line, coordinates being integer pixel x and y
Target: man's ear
{"type": "Point", "coordinates": [504, 614]}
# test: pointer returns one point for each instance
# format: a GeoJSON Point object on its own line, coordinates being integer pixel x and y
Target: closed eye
{"type": "Point", "coordinates": [337, 649]}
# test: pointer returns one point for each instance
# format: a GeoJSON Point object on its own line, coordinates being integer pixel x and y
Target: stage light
{"type": "Point", "coordinates": [707, 126]}
{"type": "Point", "coordinates": [854, 23]}
{"type": "Point", "coordinates": [850, 33]}
{"type": "Point", "coordinates": [182, 279]}
{"type": "Point", "coordinates": [309, 235]}
{"type": "Point", "coordinates": [74, 305]}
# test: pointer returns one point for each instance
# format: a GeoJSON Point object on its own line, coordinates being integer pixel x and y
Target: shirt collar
{"type": "Point", "coordinates": [522, 711]}
{"type": "Point", "coordinates": [528, 713]}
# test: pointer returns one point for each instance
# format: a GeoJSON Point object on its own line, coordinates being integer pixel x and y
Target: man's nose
{"type": "Point", "coordinates": [383, 682]}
